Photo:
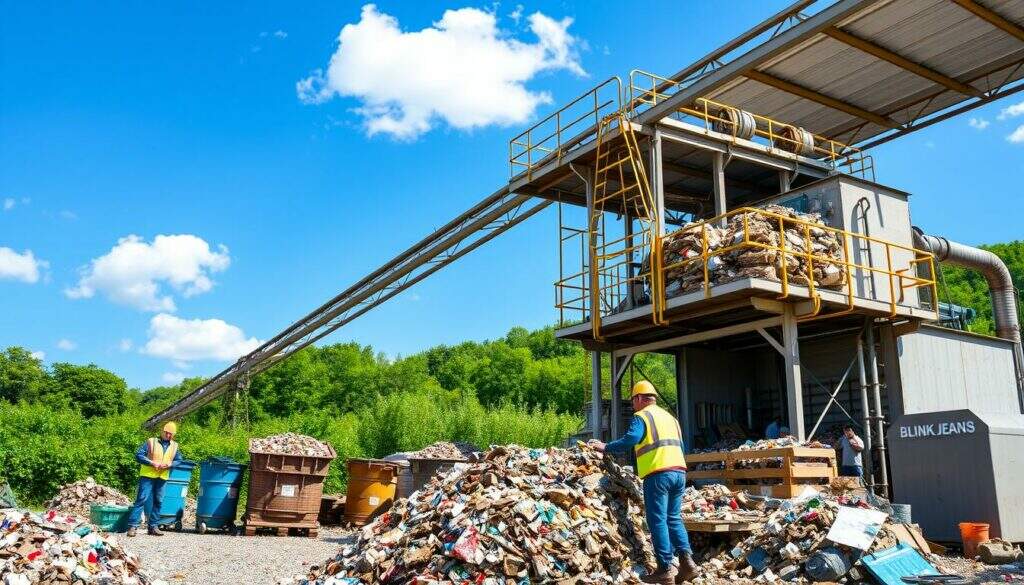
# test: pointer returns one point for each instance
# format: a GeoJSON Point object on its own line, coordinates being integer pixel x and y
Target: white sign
{"type": "Point", "coordinates": [856, 527]}
{"type": "Point", "coordinates": [943, 429]}
{"type": "Point", "coordinates": [288, 491]}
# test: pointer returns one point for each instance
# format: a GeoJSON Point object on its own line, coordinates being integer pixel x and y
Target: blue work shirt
{"type": "Point", "coordinates": [773, 431]}
{"type": "Point", "coordinates": [140, 453]}
{"type": "Point", "coordinates": [633, 436]}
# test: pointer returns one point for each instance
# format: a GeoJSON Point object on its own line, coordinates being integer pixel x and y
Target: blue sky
{"type": "Point", "coordinates": [186, 120]}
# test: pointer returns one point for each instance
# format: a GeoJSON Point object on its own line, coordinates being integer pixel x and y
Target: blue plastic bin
{"type": "Point", "coordinates": [172, 505]}
{"type": "Point", "coordinates": [220, 480]}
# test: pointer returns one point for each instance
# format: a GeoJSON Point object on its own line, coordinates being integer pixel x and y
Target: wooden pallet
{"type": "Point", "coordinates": [709, 474]}
{"type": "Point", "coordinates": [793, 474]}
{"type": "Point", "coordinates": [254, 527]}
{"type": "Point", "coordinates": [721, 525]}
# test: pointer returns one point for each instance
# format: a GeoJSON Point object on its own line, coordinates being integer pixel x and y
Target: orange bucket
{"type": "Point", "coordinates": [972, 534]}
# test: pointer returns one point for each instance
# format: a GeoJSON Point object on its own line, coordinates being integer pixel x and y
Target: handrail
{"type": "Point", "coordinates": [522, 148]}
{"type": "Point", "coordinates": [838, 154]}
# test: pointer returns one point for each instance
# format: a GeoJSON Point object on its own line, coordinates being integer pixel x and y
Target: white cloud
{"type": "Point", "coordinates": [517, 14]}
{"type": "Point", "coordinates": [172, 377]}
{"type": "Point", "coordinates": [66, 345]}
{"type": "Point", "coordinates": [24, 267]}
{"type": "Point", "coordinates": [978, 123]}
{"type": "Point", "coordinates": [187, 340]}
{"type": "Point", "coordinates": [280, 34]}
{"type": "Point", "coordinates": [39, 355]}
{"type": "Point", "coordinates": [132, 272]}
{"type": "Point", "coordinates": [463, 70]}
{"type": "Point", "coordinates": [1017, 136]}
{"type": "Point", "coordinates": [9, 203]}
{"type": "Point", "coordinates": [125, 344]}
{"type": "Point", "coordinates": [1011, 111]}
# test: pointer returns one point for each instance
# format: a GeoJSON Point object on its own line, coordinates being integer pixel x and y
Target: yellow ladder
{"type": "Point", "coordinates": [621, 185]}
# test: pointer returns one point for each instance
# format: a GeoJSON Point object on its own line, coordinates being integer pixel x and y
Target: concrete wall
{"type": "Point", "coordinates": [943, 369]}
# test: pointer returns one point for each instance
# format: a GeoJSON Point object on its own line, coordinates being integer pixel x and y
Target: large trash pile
{"type": "Point", "coordinates": [752, 261]}
{"type": "Point", "coordinates": [57, 549]}
{"type": "Point", "coordinates": [291, 444]}
{"type": "Point", "coordinates": [518, 516]}
{"type": "Point", "coordinates": [76, 498]}
{"type": "Point", "coordinates": [791, 543]}
{"type": "Point", "coordinates": [446, 450]}
{"type": "Point", "coordinates": [716, 502]}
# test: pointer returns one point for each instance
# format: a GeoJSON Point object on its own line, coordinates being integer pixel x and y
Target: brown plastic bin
{"type": "Point", "coordinates": [285, 490]}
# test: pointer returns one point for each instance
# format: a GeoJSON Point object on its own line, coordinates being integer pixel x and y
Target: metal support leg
{"type": "Point", "coordinates": [865, 406]}
{"type": "Point", "coordinates": [595, 395]}
{"type": "Point", "coordinates": [683, 406]}
{"type": "Point", "coordinates": [615, 412]}
{"type": "Point", "coordinates": [718, 179]}
{"type": "Point", "coordinates": [784, 181]}
{"type": "Point", "coordinates": [794, 378]}
{"type": "Point", "coordinates": [658, 182]}
{"type": "Point", "coordinates": [876, 392]}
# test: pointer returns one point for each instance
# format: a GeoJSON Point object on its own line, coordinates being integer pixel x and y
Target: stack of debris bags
{"type": "Point", "coordinates": [54, 549]}
{"type": "Point", "coordinates": [446, 450]}
{"type": "Point", "coordinates": [753, 261]}
{"type": "Point", "coordinates": [77, 498]}
{"type": "Point", "coordinates": [792, 543]}
{"type": "Point", "coordinates": [291, 444]}
{"type": "Point", "coordinates": [517, 516]}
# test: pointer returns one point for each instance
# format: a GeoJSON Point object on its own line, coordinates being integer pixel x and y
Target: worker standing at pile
{"type": "Point", "coordinates": [155, 457]}
{"type": "Point", "coordinates": [852, 445]}
{"type": "Point", "coordinates": [657, 440]}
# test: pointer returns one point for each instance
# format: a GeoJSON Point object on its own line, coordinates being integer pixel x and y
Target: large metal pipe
{"type": "Point", "coordinates": [882, 479]}
{"type": "Point", "coordinates": [865, 405]}
{"type": "Point", "coordinates": [1000, 288]}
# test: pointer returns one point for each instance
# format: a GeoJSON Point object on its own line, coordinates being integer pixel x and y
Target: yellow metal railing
{"type": "Point", "coordinates": [900, 277]}
{"type": "Point", "coordinates": [648, 89]}
{"type": "Point", "coordinates": [564, 129]}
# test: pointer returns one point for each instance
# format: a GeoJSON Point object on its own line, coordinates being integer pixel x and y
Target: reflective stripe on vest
{"type": "Point", "coordinates": [156, 454]}
{"type": "Point", "coordinates": [661, 446]}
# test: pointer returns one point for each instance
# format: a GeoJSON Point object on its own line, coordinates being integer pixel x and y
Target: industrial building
{"type": "Point", "coordinates": [781, 118]}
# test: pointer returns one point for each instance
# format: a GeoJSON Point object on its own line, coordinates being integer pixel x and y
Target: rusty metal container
{"type": "Point", "coordinates": [424, 469]}
{"type": "Point", "coordinates": [285, 490]}
{"type": "Point", "coordinates": [371, 489]}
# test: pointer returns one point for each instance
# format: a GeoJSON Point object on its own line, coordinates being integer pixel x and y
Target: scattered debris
{"type": "Point", "coordinates": [519, 515]}
{"type": "Point", "coordinates": [291, 444]}
{"type": "Point", "coordinates": [56, 549]}
{"type": "Point", "coordinates": [753, 261]}
{"type": "Point", "coordinates": [76, 498]}
{"type": "Point", "coordinates": [715, 502]}
{"type": "Point", "coordinates": [446, 450]}
{"type": "Point", "coordinates": [999, 552]}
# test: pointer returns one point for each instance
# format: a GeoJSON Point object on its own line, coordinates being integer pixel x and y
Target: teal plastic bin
{"type": "Point", "coordinates": [109, 518]}
{"type": "Point", "coordinates": [172, 505]}
{"type": "Point", "coordinates": [220, 480]}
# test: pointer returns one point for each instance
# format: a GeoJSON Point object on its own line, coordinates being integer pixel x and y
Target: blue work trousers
{"type": "Point", "coordinates": [663, 501]}
{"type": "Point", "coordinates": [851, 471]}
{"type": "Point", "coordinates": [148, 497]}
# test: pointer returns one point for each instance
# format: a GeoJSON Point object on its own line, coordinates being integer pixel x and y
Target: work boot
{"type": "Point", "coordinates": [155, 531]}
{"type": "Point", "coordinates": [661, 576]}
{"type": "Point", "coordinates": [131, 532]}
{"type": "Point", "coordinates": [688, 569]}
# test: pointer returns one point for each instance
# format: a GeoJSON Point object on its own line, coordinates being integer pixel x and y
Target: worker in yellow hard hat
{"type": "Point", "coordinates": [156, 457]}
{"type": "Point", "coordinates": [656, 439]}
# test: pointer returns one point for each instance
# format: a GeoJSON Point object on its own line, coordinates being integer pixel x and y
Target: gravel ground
{"type": "Point", "coordinates": [217, 559]}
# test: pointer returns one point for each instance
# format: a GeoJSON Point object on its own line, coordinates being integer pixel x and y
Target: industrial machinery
{"type": "Point", "coordinates": [779, 118]}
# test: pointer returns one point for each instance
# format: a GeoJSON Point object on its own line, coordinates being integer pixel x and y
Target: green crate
{"type": "Point", "coordinates": [109, 518]}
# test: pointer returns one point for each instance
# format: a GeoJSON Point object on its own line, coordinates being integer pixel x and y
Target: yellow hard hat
{"type": "Point", "coordinates": [643, 387]}
{"type": "Point", "coordinates": [171, 427]}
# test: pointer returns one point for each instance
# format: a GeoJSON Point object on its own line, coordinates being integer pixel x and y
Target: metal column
{"type": "Point", "coordinates": [595, 394]}
{"type": "Point", "coordinates": [879, 437]}
{"type": "Point", "coordinates": [865, 406]}
{"type": "Point", "coordinates": [784, 181]}
{"type": "Point", "coordinates": [615, 411]}
{"type": "Point", "coordinates": [683, 406]}
{"type": "Point", "coordinates": [794, 379]}
{"type": "Point", "coordinates": [718, 179]}
{"type": "Point", "coordinates": [658, 182]}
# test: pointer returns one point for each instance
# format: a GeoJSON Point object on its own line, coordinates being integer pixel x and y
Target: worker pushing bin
{"type": "Point", "coordinates": [220, 480]}
{"type": "Point", "coordinates": [172, 505]}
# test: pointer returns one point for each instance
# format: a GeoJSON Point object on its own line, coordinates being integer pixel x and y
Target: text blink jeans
{"type": "Point", "coordinates": [663, 500]}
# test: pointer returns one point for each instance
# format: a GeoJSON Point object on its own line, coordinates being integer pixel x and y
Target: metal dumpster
{"type": "Point", "coordinates": [285, 491]}
{"type": "Point", "coordinates": [172, 505]}
{"type": "Point", "coordinates": [220, 480]}
{"type": "Point", "coordinates": [371, 489]}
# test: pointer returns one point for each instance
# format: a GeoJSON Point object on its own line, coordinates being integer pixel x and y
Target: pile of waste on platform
{"type": "Point", "coordinates": [77, 498]}
{"type": "Point", "coordinates": [518, 515]}
{"type": "Point", "coordinates": [291, 444]}
{"type": "Point", "coordinates": [716, 502]}
{"type": "Point", "coordinates": [752, 261]}
{"type": "Point", "coordinates": [446, 450]}
{"type": "Point", "coordinates": [739, 446]}
{"type": "Point", "coordinates": [56, 548]}
{"type": "Point", "coordinates": [817, 537]}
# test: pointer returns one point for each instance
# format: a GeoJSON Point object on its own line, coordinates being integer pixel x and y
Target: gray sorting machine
{"type": "Point", "coordinates": [956, 451]}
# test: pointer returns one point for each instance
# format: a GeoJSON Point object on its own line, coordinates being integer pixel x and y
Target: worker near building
{"type": "Point", "coordinates": [156, 457]}
{"type": "Point", "coordinates": [851, 445]}
{"type": "Point", "coordinates": [656, 439]}
{"type": "Point", "coordinates": [773, 428]}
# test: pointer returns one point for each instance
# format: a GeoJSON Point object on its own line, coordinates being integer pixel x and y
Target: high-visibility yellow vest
{"type": "Point", "coordinates": [155, 452]}
{"type": "Point", "coordinates": [662, 444]}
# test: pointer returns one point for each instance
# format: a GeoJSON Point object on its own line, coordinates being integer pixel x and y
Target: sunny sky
{"type": "Point", "coordinates": [179, 182]}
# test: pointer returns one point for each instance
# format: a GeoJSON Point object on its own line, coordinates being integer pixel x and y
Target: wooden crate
{"type": "Point", "coordinates": [712, 474]}
{"type": "Point", "coordinates": [795, 474]}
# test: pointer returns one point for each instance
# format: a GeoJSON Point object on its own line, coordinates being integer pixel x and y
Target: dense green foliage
{"type": "Point", "coordinates": [968, 288]}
